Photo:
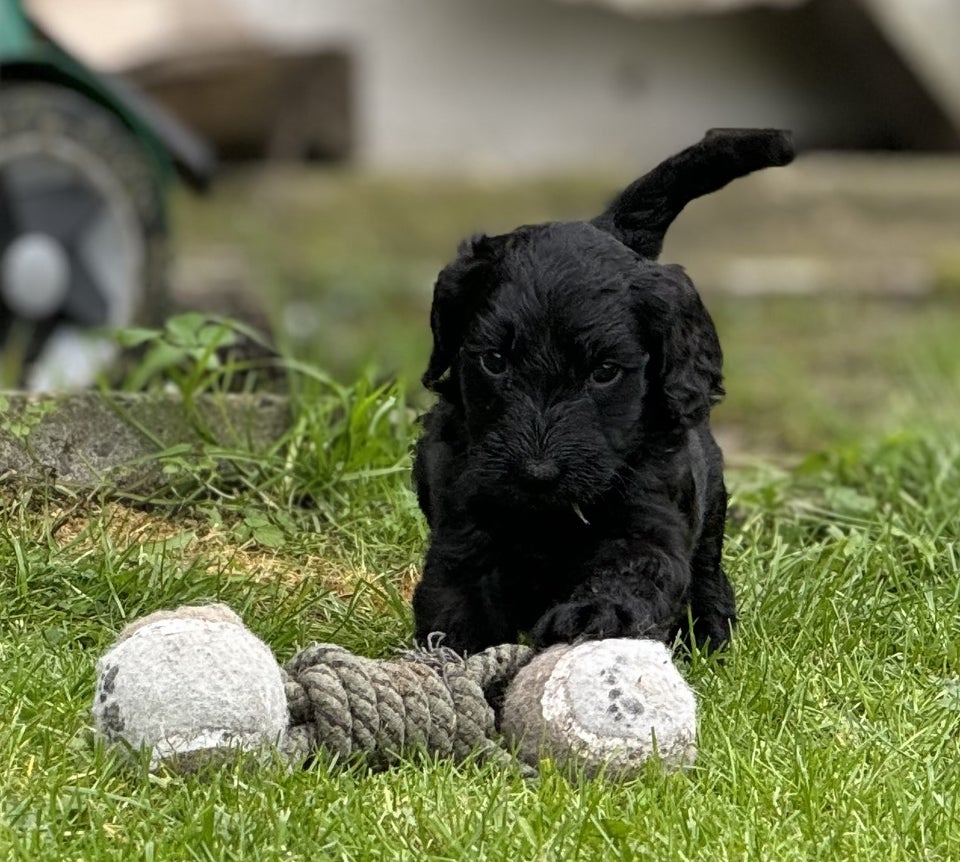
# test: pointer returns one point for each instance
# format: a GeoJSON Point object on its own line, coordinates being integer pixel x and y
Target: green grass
{"type": "Point", "coordinates": [828, 731]}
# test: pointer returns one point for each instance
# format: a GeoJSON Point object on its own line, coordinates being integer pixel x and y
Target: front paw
{"type": "Point", "coordinates": [588, 620]}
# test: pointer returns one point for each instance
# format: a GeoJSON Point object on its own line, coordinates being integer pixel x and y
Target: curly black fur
{"type": "Point", "coordinates": [568, 472]}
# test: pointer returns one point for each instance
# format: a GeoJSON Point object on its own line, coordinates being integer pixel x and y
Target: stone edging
{"type": "Point", "coordinates": [88, 440]}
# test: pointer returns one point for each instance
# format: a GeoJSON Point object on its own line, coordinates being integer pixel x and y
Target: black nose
{"type": "Point", "coordinates": [542, 470]}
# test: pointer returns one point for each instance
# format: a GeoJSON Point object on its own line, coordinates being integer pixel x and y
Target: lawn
{"type": "Point", "coordinates": [828, 731]}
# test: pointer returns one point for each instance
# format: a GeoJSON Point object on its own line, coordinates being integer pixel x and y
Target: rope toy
{"type": "Point", "coordinates": [430, 700]}
{"type": "Point", "coordinates": [194, 685]}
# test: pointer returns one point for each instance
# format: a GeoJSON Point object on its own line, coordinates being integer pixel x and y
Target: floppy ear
{"type": "Point", "coordinates": [686, 364]}
{"type": "Point", "coordinates": [640, 215]}
{"type": "Point", "coordinates": [461, 289]}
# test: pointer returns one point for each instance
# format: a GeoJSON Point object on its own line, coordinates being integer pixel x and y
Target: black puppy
{"type": "Point", "coordinates": [567, 471]}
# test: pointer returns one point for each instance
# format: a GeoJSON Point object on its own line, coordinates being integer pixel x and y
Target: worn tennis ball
{"type": "Point", "coordinates": [192, 685]}
{"type": "Point", "coordinates": [602, 706]}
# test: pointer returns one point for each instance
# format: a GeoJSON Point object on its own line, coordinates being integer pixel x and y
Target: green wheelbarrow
{"type": "Point", "coordinates": [86, 163]}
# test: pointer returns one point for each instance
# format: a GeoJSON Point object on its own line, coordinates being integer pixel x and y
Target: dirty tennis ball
{"type": "Point", "coordinates": [193, 685]}
{"type": "Point", "coordinates": [605, 706]}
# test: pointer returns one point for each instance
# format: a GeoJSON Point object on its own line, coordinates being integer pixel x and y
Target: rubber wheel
{"type": "Point", "coordinates": [75, 179]}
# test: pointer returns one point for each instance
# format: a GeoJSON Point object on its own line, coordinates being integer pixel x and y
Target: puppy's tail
{"type": "Point", "coordinates": [641, 213]}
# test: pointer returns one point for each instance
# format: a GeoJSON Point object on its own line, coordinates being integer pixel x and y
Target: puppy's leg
{"type": "Point", "coordinates": [458, 612]}
{"type": "Point", "coordinates": [712, 603]}
{"type": "Point", "coordinates": [641, 595]}
{"type": "Point", "coordinates": [459, 596]}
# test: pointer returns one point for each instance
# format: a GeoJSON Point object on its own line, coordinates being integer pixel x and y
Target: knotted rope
{"type": "Point", "coordinates": [429, 700]}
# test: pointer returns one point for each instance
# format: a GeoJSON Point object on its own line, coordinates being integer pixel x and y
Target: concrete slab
{"type": "Point", "coordinates": [832, 224]}
{"type": "Point", "coordinates": [92, 439]}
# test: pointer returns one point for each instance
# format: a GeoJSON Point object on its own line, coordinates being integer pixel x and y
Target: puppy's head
{"type": "Point", "coordinates": [564, 346]}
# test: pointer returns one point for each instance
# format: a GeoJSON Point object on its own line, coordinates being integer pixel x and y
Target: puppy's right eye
{"type": "Point", "coordinates": [493, 362]}
{"type": "Point", "coordinates": [605, 374]}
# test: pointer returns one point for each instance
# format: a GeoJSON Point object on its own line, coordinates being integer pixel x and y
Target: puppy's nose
{"type": "Point", "coordinates": [541, 470]}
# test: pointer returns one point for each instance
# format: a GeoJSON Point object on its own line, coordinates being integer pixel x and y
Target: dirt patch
{"type": "Point", "coordinates": [86, 528]}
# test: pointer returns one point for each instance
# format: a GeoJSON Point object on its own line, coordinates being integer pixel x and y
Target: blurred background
{"type": "Point", "coordinates": [359, 140]}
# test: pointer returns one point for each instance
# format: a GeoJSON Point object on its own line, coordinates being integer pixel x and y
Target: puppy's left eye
{"type": "Point", "coordinates": [605, 374]}
{"type": "Point", "coordinates": [493, 362]}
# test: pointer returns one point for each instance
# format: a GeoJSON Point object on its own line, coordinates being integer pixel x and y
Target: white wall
{"type": "Point", "coordinates": [514, 85]}
{"type": "Point", "coordinates": [532, 84]}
